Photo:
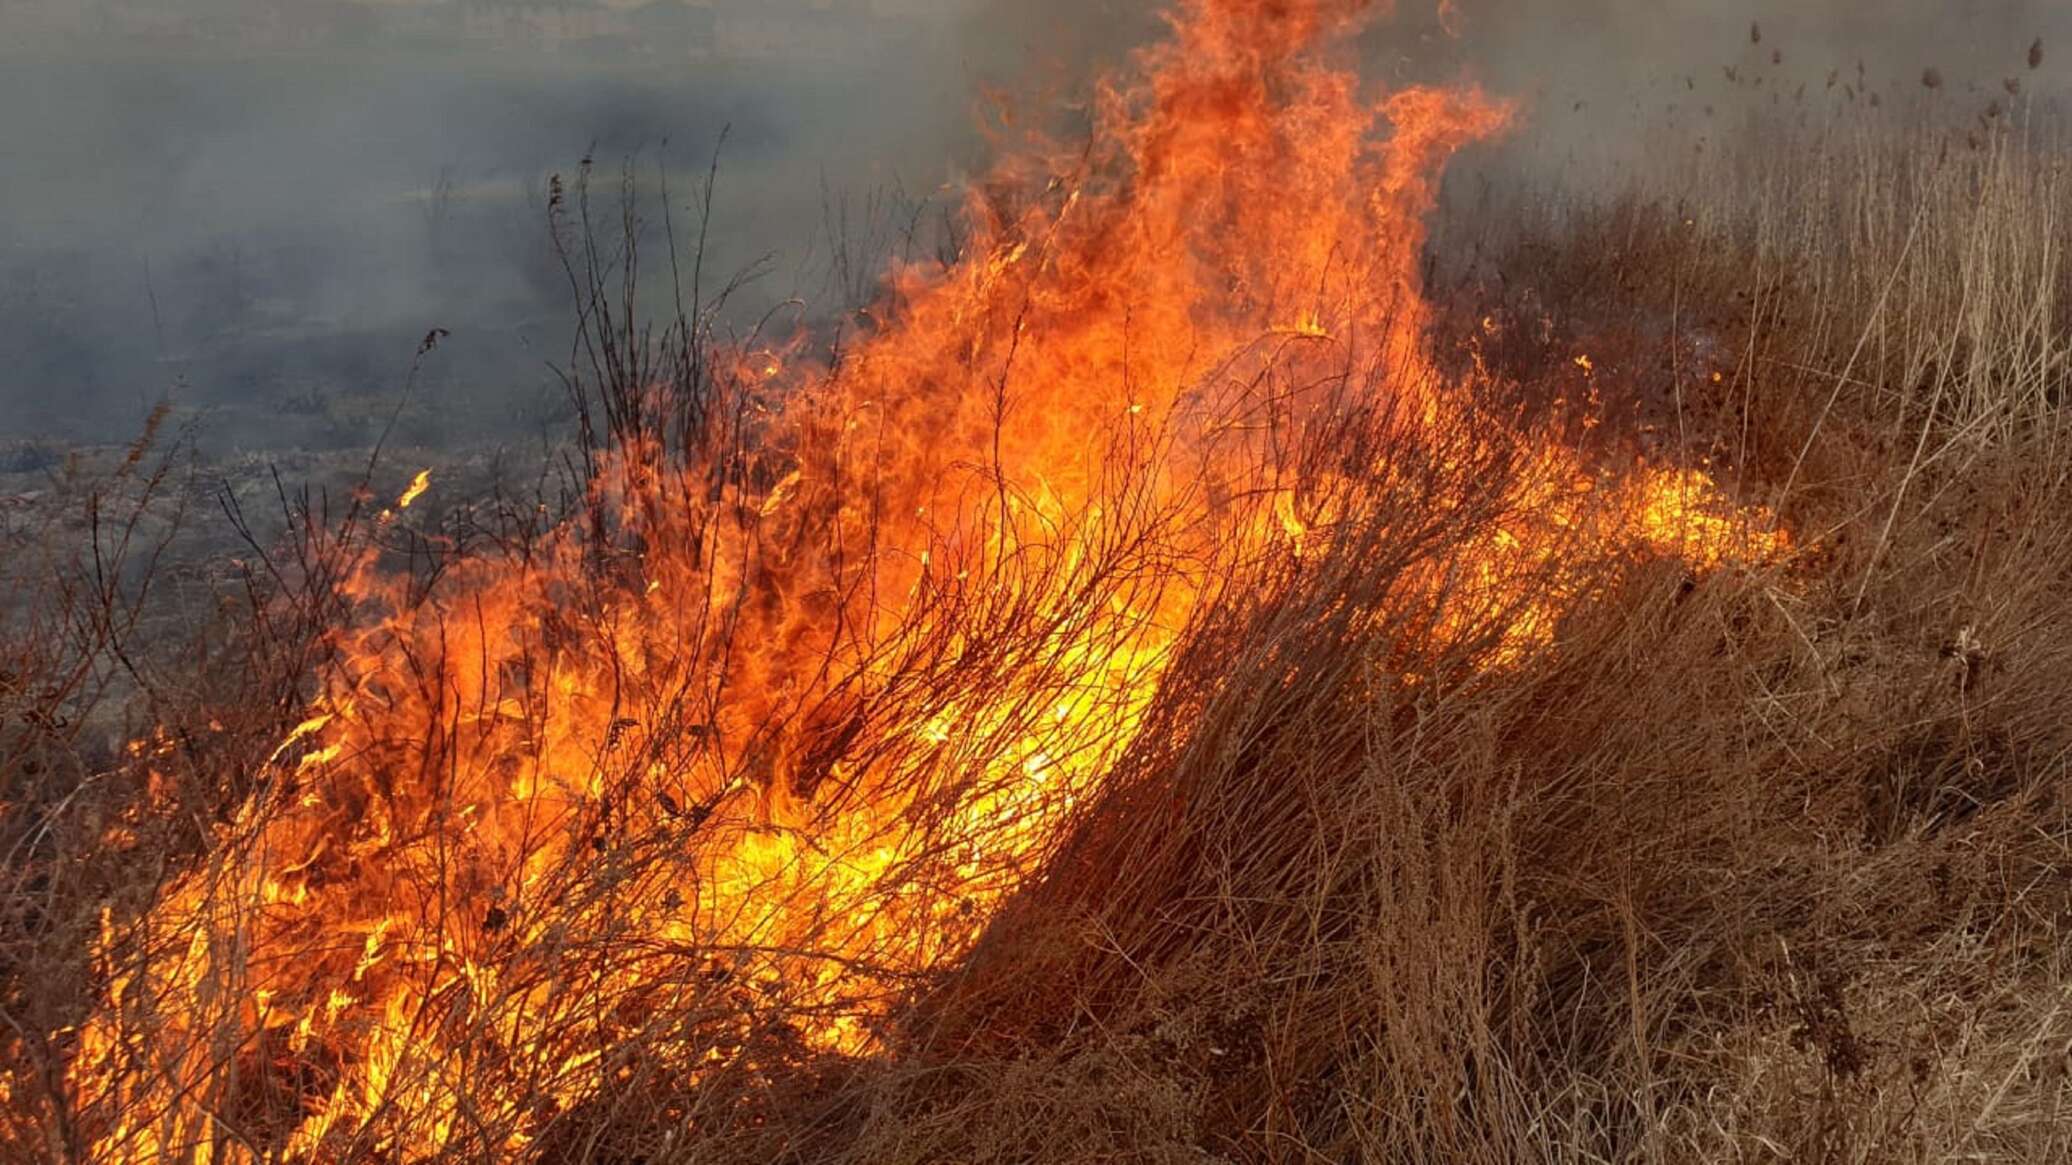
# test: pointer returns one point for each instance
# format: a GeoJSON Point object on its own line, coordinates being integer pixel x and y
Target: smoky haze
{"type": "Point", "coordinates": [262, 219]}
{"type": "Point", "coordinates": [259, 208]}
{"type": "Point", "coordinates": [1611, 87]}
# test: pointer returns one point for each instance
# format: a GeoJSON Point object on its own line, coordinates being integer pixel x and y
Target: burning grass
{"type": "Point", "coordinates": [1171, 689]}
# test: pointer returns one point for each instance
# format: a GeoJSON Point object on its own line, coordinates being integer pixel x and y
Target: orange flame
{"type": "Point", "coordinates": [555, 829]}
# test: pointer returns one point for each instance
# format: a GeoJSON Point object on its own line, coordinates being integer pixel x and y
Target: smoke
{"type": "Point", "coordinates": [267, 235]}
{"type": "Point", "coordinates": [268, 232]}
{"type": "Point", "coordinates": [1581, 50]}
{"type": "Point", "coordinates": [1609, 82]}
{"type": "Point", "coordinates": [1614, 91]}
{"type": "Point", "coordinates": [1622, 61]}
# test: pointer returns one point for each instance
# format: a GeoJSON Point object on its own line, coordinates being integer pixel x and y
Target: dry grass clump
{"type": "Point", "coordinates": [1773, 864]}
{"type": "Point", "coordinates": [94, 653]}
{"type": "Point", "coordinates": [1766, 867]}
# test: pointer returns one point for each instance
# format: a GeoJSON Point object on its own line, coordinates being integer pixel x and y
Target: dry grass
{"type": "Point", "coordinates": [1770, 865]}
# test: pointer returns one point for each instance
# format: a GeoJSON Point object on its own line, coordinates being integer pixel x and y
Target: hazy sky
{"type": "Point", "coordinates": [247, 222]}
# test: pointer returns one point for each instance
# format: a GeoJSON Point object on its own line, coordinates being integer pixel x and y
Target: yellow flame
{"type": "Point", "coordinates": [418, 484]}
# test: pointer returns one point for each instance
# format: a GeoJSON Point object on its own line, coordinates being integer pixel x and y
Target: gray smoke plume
{"type": "Point", "coordinates": [262, 207]}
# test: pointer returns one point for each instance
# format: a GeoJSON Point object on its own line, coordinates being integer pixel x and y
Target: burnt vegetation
{"type": "Point", "coordinates": [1767, 860]}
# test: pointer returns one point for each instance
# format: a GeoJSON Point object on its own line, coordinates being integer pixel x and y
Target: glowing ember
{"type": "Point", "coordinates": [598, 815]}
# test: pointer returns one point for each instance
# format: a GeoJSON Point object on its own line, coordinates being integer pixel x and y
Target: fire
{"type": "Point", "coordinates": [418, 486]}
{"type": "Point", "coordinates": [771, 756]}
